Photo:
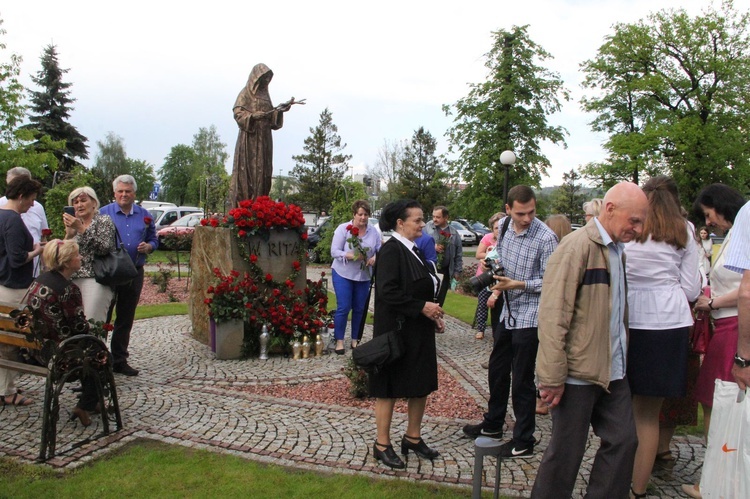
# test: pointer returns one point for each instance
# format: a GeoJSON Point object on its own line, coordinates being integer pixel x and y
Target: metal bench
{"type": "Point", "coordinates": [74, 357]}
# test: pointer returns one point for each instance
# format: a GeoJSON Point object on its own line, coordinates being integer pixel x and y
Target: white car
{"type": "Point", "coordinates": [468, 238]}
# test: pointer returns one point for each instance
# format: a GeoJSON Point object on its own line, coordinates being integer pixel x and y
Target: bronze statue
{"type": "Point", "coordinates": [256, 117]}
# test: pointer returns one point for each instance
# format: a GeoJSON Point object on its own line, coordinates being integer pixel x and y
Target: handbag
{"type": "Point", "coordinates": [702, 332]}
{"type": "Point", "coordinates": [380, 351]}
{"type": "Point", "coordinates": [726, 465]}
{"type": "Point", "coordinates": [116, 267]}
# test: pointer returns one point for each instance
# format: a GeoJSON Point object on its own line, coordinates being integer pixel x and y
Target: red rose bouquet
{"type": "Point", "coordinates": [355, 243]}
{"type": "Point", "coordinates": [444, 239]}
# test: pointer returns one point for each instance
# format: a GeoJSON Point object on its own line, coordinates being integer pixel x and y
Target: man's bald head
{"type": "Point", "coordinates": [623, 212]}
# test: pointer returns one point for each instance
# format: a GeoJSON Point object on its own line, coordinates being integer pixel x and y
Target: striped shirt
{"type": "Point", "coordinates": [738, 252]}
{"type": "Point", "coordinates": [524, 257]}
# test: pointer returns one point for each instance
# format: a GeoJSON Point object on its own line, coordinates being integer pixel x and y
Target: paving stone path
{"type": "Point", "coordinates": [185, 396]}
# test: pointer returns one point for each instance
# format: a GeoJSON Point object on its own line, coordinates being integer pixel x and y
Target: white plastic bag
{"type": "Point", "coordinates": [726, 467]}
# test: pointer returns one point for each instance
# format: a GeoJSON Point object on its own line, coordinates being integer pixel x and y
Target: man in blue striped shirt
{"type": "Point", "coordinates": [738, 260]}
{"type": "Point", "coordinates": [523, 250]}
{"type": "Point", "coordinates": [137, 232]}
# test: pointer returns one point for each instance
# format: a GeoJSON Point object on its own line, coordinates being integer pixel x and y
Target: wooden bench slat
{"type": "Point", "coordinates": [18, 340]}
{"type": "Point", "coordinates": [24, 368]}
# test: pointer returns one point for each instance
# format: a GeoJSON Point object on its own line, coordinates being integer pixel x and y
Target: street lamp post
{"type": "Point", "coordinates": [507, 159]}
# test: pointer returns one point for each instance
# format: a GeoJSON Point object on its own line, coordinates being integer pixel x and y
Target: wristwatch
{"type": "Point", "coordinates": [740, 362]}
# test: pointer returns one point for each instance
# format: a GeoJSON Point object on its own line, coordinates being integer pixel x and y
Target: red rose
{"type": "Point", "coordinates": [349, 227]}
{"type": "Point", "coordinates": [210, 289]}
{"type": "Point", "coordinates": [46, 232]}
{"type": "Point", "coordinates": [253, 258]}
{"type": "Point", "coordinates": [303, 236]}
{"type": "Point", "coordinates": [208, 301]}
{"type": "Point", "coordinates": [242, 233]}
{"type": "Point", "coordinates": [269, 277]}
{"type": "Point", "coordinates": [204, 222]}
{"type": "Point", "coordinates": [147, 220]}
{"type": "Point", "coordinates": [355, 231]}
{"type": "Point", "coordinates": [214, 222]}
{"type": "Point", "coordinates": [108, 327]}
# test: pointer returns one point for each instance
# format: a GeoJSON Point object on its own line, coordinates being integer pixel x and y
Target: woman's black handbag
{"type": "Point", "coordinates": [116, 267]}
{"type": "Point", "coordinates": [380, 351]}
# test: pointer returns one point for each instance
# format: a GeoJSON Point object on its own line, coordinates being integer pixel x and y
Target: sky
{"type": "Point", "coordinates": [155, 72]}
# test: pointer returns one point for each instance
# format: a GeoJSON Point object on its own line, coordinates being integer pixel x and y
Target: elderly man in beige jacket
{"type": "Point", "coordinates": [581, 363]}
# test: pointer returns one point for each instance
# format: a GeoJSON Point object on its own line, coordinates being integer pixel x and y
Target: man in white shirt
{"type": "Point", "coordinates": [738, 260]}
{"type": "Point", "coordinates": [35, 219]}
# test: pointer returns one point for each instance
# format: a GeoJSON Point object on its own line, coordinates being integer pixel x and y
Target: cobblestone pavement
{"type": "Point", "coordinates": [184, 396]}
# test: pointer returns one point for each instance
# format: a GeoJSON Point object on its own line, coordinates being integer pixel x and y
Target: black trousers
{"type": "Point", "coordinates": [126, 300]}
{"type": "Point", "coordinates": [514, 352]}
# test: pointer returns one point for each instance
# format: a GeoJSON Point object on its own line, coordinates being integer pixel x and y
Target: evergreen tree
{"type": "Point", "coordinates": [321, 169]}
{"type": "Point", "coordinates": [16, 144]}
{"type": "Point", "coordinates": [569, 197]}
{"type": "Point", "coordinates": [50, 112]}
{"type": "Point", "coordinates": [421, 176]}
{"type": "Point", "coordinates": [506, 112]}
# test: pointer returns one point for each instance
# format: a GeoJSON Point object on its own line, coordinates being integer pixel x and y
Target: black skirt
{"type": "Point", "coordinates": [657, 362]}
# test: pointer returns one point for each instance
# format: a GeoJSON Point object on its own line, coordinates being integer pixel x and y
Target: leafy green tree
{"type": "Point", "coordinates": [143, 173]}
{"type": "Point", "coordinates": [50, 112]}
{"type": "Point", "coordinates": [212, 182]}
{"type": "Point", "coordinates": [16, 144]}
{"type": "Point", "coordinates": [178, 171]}
{"type": "Point", "coordinates": [671, 92]}
{"type": "Point", "coordinates": [282, 187]}
{"type": "Point", "coordinates": [569, 197]}
{"type": "Point", "coordinates": [109, 162]}
{"type": "Point", "coordinates": [321, 169]}
{"type": "Point", "coordinates": [421, 175]}
{"type": "Point", "coordinates": [507, 112]}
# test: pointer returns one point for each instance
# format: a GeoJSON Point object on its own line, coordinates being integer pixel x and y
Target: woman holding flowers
{"type": "Point", "coordinates": [95, 235]}
{"type": "Point", "coordinates": [353, 250]}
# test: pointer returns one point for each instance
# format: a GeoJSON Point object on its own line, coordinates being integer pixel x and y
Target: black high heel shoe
{"type": "Point", "coordinates": [387, 456]}
{"type": "Point", "coordinates": [420, 448]}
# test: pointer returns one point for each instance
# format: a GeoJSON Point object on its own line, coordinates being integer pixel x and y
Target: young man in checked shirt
{"type": "Point", "coordinates": [523, 251]}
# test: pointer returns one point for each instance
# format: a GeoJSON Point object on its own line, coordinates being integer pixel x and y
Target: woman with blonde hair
{"type": "Point", "coordinates": [95, 235]}
{"type": "Point", "coordinates": [592, 208]}
{"type": "Point", "coordinates": [57, 310]}
{"type": "Point", "coordinates": [663, 278]}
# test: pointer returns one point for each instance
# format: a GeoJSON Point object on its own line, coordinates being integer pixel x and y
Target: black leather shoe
{"type": "Point", "coordinates": [124, 368]}
{"type": "Point", "coordinates": [420, 448]}
{"type": "Point", "coordinates": [387, 456]}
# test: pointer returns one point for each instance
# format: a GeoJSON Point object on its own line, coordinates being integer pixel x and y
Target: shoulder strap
{"type": "Point", "coordinates": [506, 224]}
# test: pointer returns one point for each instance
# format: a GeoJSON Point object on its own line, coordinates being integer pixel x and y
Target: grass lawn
{"type": "Point", "coordinates": [175, 471]}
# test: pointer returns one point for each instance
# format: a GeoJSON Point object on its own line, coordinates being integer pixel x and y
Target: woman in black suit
{"type": "Point", "coordinates": [405, 289]}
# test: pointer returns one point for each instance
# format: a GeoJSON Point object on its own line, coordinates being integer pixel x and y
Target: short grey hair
{"type": "Point", "coordinates": [83, 190]}
{"type": "Point", "coordinates": [125, 179]}
{"type": "Point", "coordinates": [18, 171]}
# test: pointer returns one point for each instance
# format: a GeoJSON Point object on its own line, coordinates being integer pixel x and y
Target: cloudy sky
{"type": "Point", "coordinates": [154, 72]}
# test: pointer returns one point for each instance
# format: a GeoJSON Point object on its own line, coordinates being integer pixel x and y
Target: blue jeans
{"type": "Point", "coordinates": [350, 296]}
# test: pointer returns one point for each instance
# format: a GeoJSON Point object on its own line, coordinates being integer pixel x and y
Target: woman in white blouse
{"type": "Point", "coordinates": [663, 277]}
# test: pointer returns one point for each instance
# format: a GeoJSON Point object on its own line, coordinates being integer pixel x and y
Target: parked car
{"type": "Point", "coordinates": [479, 228]}
{"type": "Point", "coordinates": [384, 236]}
{"type": "Point", "coordinates": [468, 237]}
{"type": "Point", "coordinates": [165, 216]}
{"type": "Point", "coordinates": [184, 225]}
{"type": "Point", "coordinates": [466, 225]}
{"type": "Point", "coordinates": [313, 238]}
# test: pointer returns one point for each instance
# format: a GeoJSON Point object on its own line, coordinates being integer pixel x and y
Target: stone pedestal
{"type": "Point", "coordinates": [216, 247]}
